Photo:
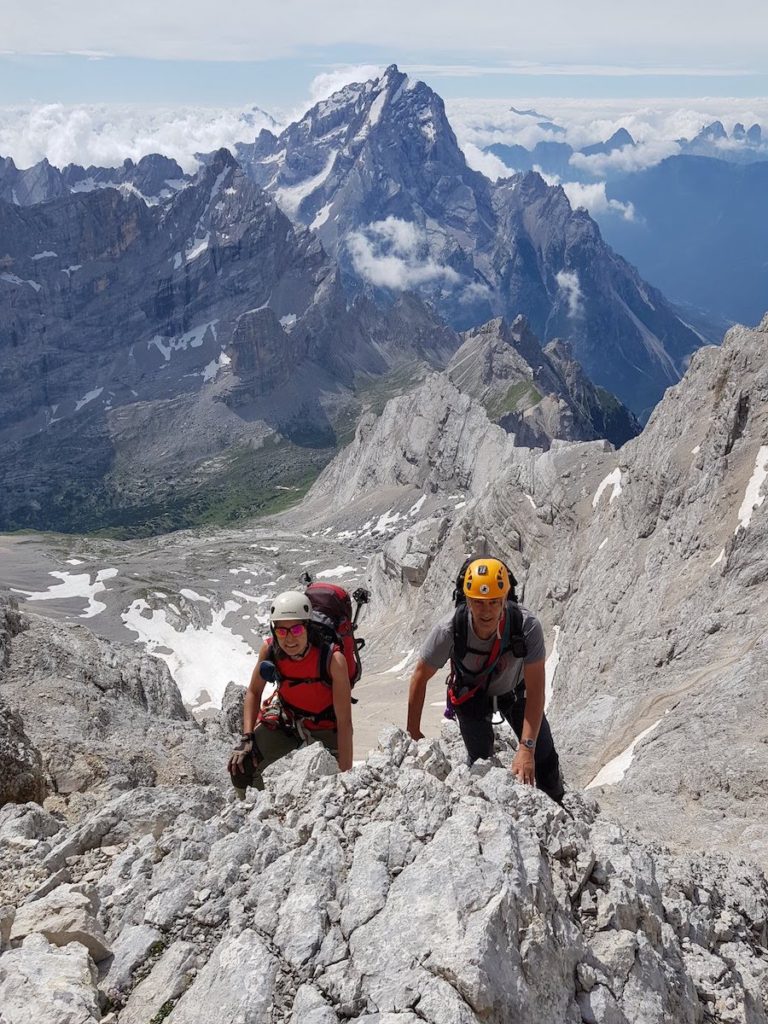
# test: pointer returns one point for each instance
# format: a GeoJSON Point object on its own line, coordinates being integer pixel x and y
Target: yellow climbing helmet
{"type": "Point", "coordinates": [486, 579]}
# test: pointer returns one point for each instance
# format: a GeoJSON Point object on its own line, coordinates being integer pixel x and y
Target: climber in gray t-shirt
{"type": "Point", "coordinates": [499, 663]}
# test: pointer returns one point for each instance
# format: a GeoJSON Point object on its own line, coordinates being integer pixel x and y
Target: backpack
{"type": "Point", "coordinates": [464, 684]}
{"type": "Point", "coordinates": [332, 622]}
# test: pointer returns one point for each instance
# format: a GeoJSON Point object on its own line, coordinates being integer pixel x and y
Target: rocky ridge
{"type": "Point", "coordinates": [181, 905]}
{"type": "Point", "coordinates": [99, 717]}
{"type": "Point", "coordinates": [154, 179]}
{"type": "Point", "coordinates": [537, 395]}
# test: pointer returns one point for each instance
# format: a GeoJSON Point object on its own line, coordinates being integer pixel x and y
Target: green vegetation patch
{"type": "Point", "coordinates": [517, 398]}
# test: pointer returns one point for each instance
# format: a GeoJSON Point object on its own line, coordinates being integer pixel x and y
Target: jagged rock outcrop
{"type": "Point", "coordinates": [97, 714]}
{"type": "Point", "coordinates": [155, 178]}
{"type": "Point", "coordinates": [536, 395]}
{"type": "Point", "coordinates": [504, 905]}
{"type": "Point", "coordinates": [21, 767]}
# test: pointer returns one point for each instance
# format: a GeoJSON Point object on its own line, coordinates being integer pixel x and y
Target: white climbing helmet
{"type": "Point", "coordinates": [291, 604]}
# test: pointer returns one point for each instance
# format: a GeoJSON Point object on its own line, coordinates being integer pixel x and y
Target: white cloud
{"type": "Point", "coordinates": [105, 136]}
{"type": "Point", "coordinates": [393, 254]}
{"type": "Point", "coordinates": [488, 164]}
{"type": "Point", "coordinates": [656, 124]}
{"type": "Point", "coordinates": [329, 82]}
{"type": "Point", "coordinates": [562, 35]}
{"type": "Point", "coordinates": [568, 283]}
{"type": "Point", "coordinates": [594, 199]}
{"type": "Point", "coordinates": [626, 159]}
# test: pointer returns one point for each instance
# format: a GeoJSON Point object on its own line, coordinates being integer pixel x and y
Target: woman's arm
{"type": "Point", "coordinates": [255, 689]}
{"type": "Point", "coordinates": [342, 705]}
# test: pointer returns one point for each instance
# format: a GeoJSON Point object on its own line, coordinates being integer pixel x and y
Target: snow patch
{"type": "Point", "coordinates": [74, 585]}
{"type": "Point", "coordinates": [613, 479]}
{"type": "Point", "coordinates": [321, 216]}
{"type": "Point", "coordinates": [290, 198]}
{"type": "Point", "coordinates": [550, 668]}
{"type": "Point", "coordinates": [88, 398]}
{"type": "Point", "coordinates": [288, 321]}
{"type": "Point", "coordinates": [197, 247]}
{"type": "Point", "coordinates": [193, 338]}
{"type": "Point", "coordinates": [602, 544]}
{"type": "Point", "coordinates": [211, 370]}
{"type": "Point", "coordinates": [719, 558]}
{"type": "Point", "coordinates": [385, 521]}
{"type": "Point", "coordinates": [202, 659]}
{"type": "Point", "coordinates": [340, 570]}
{"type": "Point", "coordinates": [401, 664]}
{"type": "Point", "coordinates": [416, 508]}
{"type": "Point", "coordinates": [192, 595]}
{"type": "Point", "coordinates": [44, 255]}
{"type": "Point", "coordinates": [13, 279]}
{"type": "Point", "coordinates": [616, 769]}
{"type": "Point", "coordinates": [753, 498]}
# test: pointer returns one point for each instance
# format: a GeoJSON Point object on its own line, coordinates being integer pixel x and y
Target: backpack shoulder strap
{"type": "Point", "coordinates": [514, 638]}
{"type": "Point", "coordinates": [460, 623]}
{"type": "Point", "coordinates": [326, 653]}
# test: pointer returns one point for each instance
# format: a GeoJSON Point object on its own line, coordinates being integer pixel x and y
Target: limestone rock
{"type": "Point", "coordinates": [21, 764]}
{"type": "Point", "coordinates": [63, 916]}
{"type": "Point", "coordinates": [43, 984]}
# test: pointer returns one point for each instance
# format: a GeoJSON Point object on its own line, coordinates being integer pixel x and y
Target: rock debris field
{"type": "Point", "coordinates": [409, 889]}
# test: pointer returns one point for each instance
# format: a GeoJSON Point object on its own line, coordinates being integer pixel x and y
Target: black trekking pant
{"type": "Point", "coordinates": [477, 732]}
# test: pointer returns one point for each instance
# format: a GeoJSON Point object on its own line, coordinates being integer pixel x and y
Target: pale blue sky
{"type": "Point", "coordinates": [251, 51]}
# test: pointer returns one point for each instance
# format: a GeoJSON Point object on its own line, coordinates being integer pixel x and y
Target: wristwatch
{"type": "Point", "coordinates": [528, 744]}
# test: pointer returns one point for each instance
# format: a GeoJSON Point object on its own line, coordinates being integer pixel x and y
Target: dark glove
{"type": "Point", "coordinates": [243, 750]}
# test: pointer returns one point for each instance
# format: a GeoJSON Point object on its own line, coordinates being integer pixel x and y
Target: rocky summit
{"type": "Point", "coordinates": [377, 172]}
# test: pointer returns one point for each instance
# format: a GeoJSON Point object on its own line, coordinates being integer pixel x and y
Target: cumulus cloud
{"type": "Point", "coordinates": [626, 159]}
{"type": "Point", "coordinates": [487, 163]}
{"type": "Point", "coordinates": [393, 253]}
{"type": "Point", "coordinates": [106, 135]}
{"type": "Point", "coordinates": [655, 125]}
{"type": "Point", "coordinates": [593, 199]}
{"type": "Point", "coordinates": [568, 283]}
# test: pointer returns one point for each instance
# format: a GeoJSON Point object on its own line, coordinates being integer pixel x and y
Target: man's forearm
{"type": "Point", "coordinates": [534, 706]}
{"type": "Point", "coordinates": [416, 696]}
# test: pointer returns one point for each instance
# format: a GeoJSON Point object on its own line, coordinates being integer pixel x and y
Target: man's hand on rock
{"type": "Point", "coordinates": [523, 765]}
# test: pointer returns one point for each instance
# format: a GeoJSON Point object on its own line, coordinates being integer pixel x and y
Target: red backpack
{"type": "Point", "coordinates": [334, 622]}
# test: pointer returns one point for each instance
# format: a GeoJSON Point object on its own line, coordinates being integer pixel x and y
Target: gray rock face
{"type": "Point", "coordinates": [158, 359]}
{"type": "Point", "coordinates": [62, 916]}
{"type": "Point", "coordinates": [537, 396]}
{"type": "Point", "coordinates": [376, 171]}
{"type": "Point", "coordinates": [100, 714]}
{"type": "Point", "coordinates": [649, 561]}
{"type": "Point", "coordinates": [21, 767]}
{"type": "Point", "coordinates": [42, 984]}
{"type": "Point", "coordinates": [409, 888]}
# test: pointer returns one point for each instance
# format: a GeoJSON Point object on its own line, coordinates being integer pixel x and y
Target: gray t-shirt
{"type": "Point", "coordinates": [438, 648]}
